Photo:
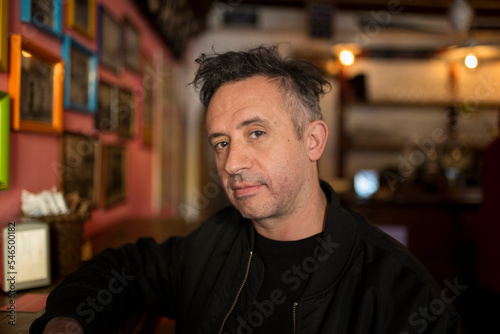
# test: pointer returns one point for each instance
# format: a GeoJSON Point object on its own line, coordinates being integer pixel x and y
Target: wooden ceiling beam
{"type": "Point", "coordinates": [437, 6]}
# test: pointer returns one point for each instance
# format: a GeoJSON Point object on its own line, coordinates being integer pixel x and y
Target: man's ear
{"type": "Point", "coordinates": [316, 136]}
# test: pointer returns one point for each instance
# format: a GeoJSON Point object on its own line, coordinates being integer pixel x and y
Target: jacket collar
{"type": "Point", "coordinates": [337, 243]}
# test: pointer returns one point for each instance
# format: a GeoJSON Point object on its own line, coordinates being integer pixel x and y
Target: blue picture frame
{"type": "Point", "coordinates": [40, 17]}
{"type": "Point", "coordinates": [79, 95]}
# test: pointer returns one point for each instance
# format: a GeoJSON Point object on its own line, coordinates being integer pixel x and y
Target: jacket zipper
{"type": "Point", "coordinates": [237, 293]}
{"type": "Point", "coordinates": [294, 316]}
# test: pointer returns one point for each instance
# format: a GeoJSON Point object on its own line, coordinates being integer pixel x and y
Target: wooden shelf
{"type": "Point", "coordinates": [391, 105]}
{"type": "Point", "coordinates": [399, 148]}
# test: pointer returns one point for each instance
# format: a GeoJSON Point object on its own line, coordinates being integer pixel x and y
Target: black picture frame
{"type": "Point", "coordinates": [107, 106]}
{"type": "Point", "coordinates": [125, 114]}
{"type": "Point", "coordinates": [110, 41]}
{"type": "Point", "coordinates": [113, 175]}
{"type": "Point", "coordinates": [80, 166]}
{"type": "Point", "coordinates": [131, 41]}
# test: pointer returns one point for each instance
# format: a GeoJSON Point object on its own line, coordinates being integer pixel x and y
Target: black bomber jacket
{"type": "Point", "coordinates": [359, 281]}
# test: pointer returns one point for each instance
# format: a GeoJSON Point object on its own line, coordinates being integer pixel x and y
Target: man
{"type": "Point", "coordinates": [287, 257]}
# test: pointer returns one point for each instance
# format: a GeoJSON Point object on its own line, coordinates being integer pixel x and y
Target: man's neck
{"type": "Point", "coordinates": [306, 222]}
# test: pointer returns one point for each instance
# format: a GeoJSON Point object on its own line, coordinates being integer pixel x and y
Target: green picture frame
{"type": "Point", "coordinates": [4, 140]}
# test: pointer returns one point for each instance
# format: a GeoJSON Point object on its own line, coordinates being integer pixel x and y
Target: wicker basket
{"type": "Point", "coordinates": [66, 239]}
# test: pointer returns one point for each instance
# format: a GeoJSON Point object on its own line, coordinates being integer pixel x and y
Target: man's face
{"type": "Point", "coordinates": [261, 163]}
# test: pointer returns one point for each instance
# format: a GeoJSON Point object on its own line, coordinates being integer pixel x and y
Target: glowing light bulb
{"type": "Point", "coordinates": [471, 61]}
{"type": "Point", "coordinates": [346, 57]}
{"type": "Point", "coordinates": [26, 54]}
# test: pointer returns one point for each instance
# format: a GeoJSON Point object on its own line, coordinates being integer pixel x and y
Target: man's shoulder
{"type": "Point", "coordinates": [379, 247]}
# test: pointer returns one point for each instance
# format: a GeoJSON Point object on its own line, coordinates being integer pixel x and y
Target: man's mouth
{"type": "Point", "coordinates": [243, 190]}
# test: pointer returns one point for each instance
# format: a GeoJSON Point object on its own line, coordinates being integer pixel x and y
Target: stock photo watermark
{"type": "Point", "coordinates": [220, 8]}
{"type": "Point", "coordinates": [200, 200]}
{"type": "Point", "coordinates": [104, 297]}
{"type": "Point", "coordinates": [425, 315]}
{"type": "Point", "coordinates": [377, 20]}
{"type": "Point", "coordinates": [426, 148]}
{"type": "Point", "coordinates": [11, 272]}
{"type": "Point", "coordinates": [293, 278]}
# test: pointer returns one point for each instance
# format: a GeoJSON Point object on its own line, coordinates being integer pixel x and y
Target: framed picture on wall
{"type": "Point", "coordinates": [113, 174]}
{"type": "Point", "coordinates": [32, 256]}
{"type": "Point", "coordinates": [81, 16]}
{"type": "Point", "coordinates": [3, 34]}
{"type": "Point", "coordinates": [80, 166]}
{"type": "Point", "coordinates": [110, 52]}
{"type": "Point", "coordinates": [125, 115]}
{"type": "Point", "coordinates": [80, 85]}
{"type": "Point", "coordinates": [4, 140]}
{"type": "Point", "coordinates": [45, 14]}
{"type": "Point", "coordinates": [131, 43]}
{"type": "Point", "coordinates": [35, 87]}
{"type": "Point", "coordinates": [147, 117]}
{"type": "Point", "coordinates": [107, 107]}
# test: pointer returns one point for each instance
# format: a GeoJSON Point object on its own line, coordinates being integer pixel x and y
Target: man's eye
{"type": "Point", "coordinates": [257, 134]}
{"type": "Point", "coordinates": [220, 145]}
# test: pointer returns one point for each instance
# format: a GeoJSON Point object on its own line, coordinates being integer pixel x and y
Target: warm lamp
{"type": "Point", "coordinates": [471, 61]}
{"type": "Point", "coordinates": [346, 57]}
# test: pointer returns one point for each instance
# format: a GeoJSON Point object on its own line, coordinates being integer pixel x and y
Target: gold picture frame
{"type": "Point", "coordinates": [84, 24]}
{"type": "Point", "coordinates": [36, 88]}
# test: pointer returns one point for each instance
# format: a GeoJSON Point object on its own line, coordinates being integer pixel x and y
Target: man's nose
{"type": "Point", "coordinates": [238, 158]}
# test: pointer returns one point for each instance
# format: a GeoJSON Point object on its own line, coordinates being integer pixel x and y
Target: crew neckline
{"type": "Point", "coordinates": [290, 249]}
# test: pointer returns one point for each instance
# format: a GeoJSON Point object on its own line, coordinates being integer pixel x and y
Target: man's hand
{"type": "Point", "coordinates": [63, 325]}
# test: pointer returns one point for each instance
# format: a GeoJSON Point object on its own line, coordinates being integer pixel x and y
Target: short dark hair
{"type": "Point", "coordinates": [299, 81]}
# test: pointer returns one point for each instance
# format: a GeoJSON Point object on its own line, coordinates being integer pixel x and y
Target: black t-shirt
{"type": "Point", "coordinates": [288, 265]}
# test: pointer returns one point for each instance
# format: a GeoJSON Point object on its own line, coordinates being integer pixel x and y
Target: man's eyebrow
{"type": "Point", "coordinates": [247, 122]}
{"type": "Point", "coordinates": [252, 120]}
{"type": "Point", "coordinates": [214, 135]}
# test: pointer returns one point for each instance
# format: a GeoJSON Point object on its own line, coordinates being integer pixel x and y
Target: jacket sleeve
{"type": "Point", "coordinates": [143, 276]}
{"type": "Point", "coordinates": [409, 300]}
{"type": "Point", "coordinates": [399, 295]}
{"type": "Point", "coordinates": [422, 308]}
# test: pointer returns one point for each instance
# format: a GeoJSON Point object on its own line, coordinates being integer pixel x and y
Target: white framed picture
{"type": "Point", "coordinates": [25, 246]}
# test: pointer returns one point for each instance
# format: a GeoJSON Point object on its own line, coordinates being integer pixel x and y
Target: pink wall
{"type": "Point", "coordinates": [32, 154]}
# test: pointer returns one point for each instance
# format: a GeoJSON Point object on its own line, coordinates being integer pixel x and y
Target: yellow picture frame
{"type": "Point", "coordinates": [35, 74]}
{"type": "Point", "coordinates": [87, 29]}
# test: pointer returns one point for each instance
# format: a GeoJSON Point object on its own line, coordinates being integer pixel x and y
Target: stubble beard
{"type": "Point", "coordinates": [277, 204]}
